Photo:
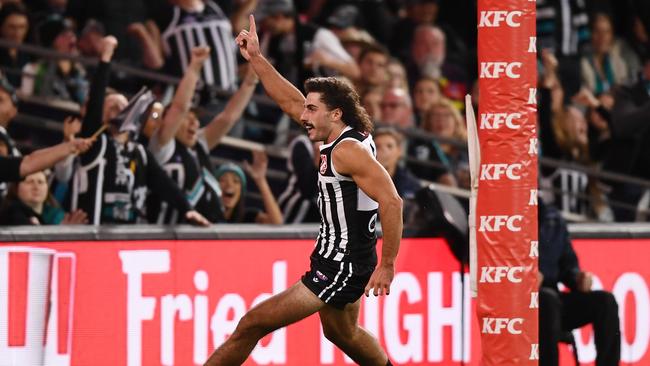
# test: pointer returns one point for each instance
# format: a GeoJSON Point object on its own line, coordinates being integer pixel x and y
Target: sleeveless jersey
{"type": "Point", "coordinates": [348, 215]}
{"type": "Point", "coordinates": [112, 187]}
{"type": "Point", "coordinates": [12, 151]}
{"type": "Point", "coordinates": [191, 170]}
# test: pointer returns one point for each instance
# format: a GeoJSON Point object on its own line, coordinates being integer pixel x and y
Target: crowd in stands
{"type": "Point", "coordinates": [411, 62]}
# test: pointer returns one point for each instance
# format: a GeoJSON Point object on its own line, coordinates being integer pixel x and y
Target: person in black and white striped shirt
{"type": "Point", "coordinates": [197, 23]}
{"type": "Point", "coordinates": [298, 200]}
{"type": "Point", "coordinates": [353, 189]}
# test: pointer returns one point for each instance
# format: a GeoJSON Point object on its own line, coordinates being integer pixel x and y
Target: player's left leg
{"type": "Point", "coordinates": [295, 303]}
{"type": "Point", "coordinates": [341, 328]}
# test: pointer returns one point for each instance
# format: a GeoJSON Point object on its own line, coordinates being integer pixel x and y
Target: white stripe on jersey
{"type": "Point", "coordinates": [302, 212]}
{"type": "Point", "coordinates": [221, 54]}
{"type": "Point", "coordinates": [99, 190]}
{"type": "Point", "coordinates": [207, 64]}
{"type": "Point", "coordinates": [331, 238]}
{"type": "Point", "coordinates": [320, 240]}
{"type": "Point", "coordinates": [217, 34]}
{"type": "Point", "coordinates": [343, 225]}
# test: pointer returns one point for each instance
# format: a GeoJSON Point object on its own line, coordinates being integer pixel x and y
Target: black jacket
{"type": "Point", "coordinates": [557, 259]}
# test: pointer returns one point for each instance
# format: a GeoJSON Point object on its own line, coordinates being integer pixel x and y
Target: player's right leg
{"type": "Point", "coordinates": [287, 307]}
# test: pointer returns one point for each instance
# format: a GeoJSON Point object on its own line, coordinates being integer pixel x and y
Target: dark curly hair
{"type": "Point", "coordinates": [337, 93]}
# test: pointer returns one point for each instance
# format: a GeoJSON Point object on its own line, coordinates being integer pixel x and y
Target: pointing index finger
{"type": "Point", "coordinates": [252, 28]}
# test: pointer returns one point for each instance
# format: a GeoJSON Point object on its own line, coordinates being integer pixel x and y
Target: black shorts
{"type": "Point", "coordinates": [337, 283]}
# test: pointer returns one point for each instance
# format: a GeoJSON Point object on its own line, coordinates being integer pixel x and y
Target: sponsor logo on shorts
{"type": "Point", "coordinates": [320, 275]}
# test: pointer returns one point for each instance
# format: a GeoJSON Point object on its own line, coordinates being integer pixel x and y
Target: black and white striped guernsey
{"type": "Point", "coordinates": [210, 27]}
{"type": "Point", "coordinates": [348, 215]}
{"type": "Point", "coordinates": [11, 151]}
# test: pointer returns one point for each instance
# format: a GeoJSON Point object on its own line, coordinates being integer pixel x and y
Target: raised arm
{"type": "Point", "coordinates": [223, 122]}
{"type": "Point", "coordinates": [95, 107]}
{"type": "Point", "coordinates": [350, 158]}
{"type": "Point", "coordinates": [46, 158]}
{"type": "Point", "coordinates": [182, 101]}
{"type": "Point", "coordinates": [288, 97]}
{"type": "Point", "coordinates": [257, 171]}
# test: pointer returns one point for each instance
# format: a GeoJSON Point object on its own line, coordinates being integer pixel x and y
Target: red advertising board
{"type": "Point", "coordinates": [171, 302]}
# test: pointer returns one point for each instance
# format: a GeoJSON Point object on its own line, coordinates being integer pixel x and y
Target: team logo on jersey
{"type": "Point", "coordinates": [323, 164]}
{"type": "Point", "coordinates": [372, 223]}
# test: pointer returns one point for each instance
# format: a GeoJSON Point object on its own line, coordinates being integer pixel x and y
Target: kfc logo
{"type": "Point", "coordinates": [493, 121]}
{"type": "Point", "coordinates": [493, 18]}
{"type": "Point", "coordinates": [496, 274]}
{"type": "Point", "coordinates": [323, 163]}
{"type": "Point", "coordinates": [494, 70]}
{"type": "Point", "coordinates": [37, 295]}
{"type": "Point", "coordinates": [495, 223]}
{"type": "Point", "coordinates": [496, 325]}
{"type": "Point", "coordinates": [496, 171]}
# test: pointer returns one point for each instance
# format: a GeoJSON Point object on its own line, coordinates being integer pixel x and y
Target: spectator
{"type": "Point", "coordinates": [233, 185]}
{"type": "Point", "coordinates": [609, 62]}
{"type": "Point", "coordinates": [563, 136]}
{"type": "Point", "coordinates": [563, 28]}
{"type": "Point", "coordinates": [183, 149]}
{"type": "Point", "coordinates": [63, 78]}
{"type": "Point", "coordinates": [118, 17]}
{"type": "Point", "coordinates": [397, 74]}
{"type": "Point", "coordinates": [90, 38]}
{"type": "Point", "coordinates": [355, 41]}
{"type": "Point", "coordinates": [14, 25]}
{"type": "Point", "coordinates": [373, 63]}
{"type": "Point", "coordinates": [371, 101]}
{"type": "Point", "coordinates": [8, 111]}
{"type": "Point", "coordinates": [30, 203]}
{"type": "Point", "coordinates": [396, 108]}
{"type": "Point", "coordinates": [302, 50]}
{"type": "Point", "coordinates": [564, 311]}
{"type": "Point", "coordinates": [114, 177]}
{"type": "Point", "coordinates": [428, 57]}
{"type": "Point", "coordinates": [390, 147]}
{"type": "Point", "coordinates": [425, 94]}
{"type": "Point", "coordinates": [298, 201]}
{"type": "Point", "coordinates": [629, 148]}
{"type": "Point", "coordinates": [444, 121]}
{"type": "Point", "coordinates": [207, 21]}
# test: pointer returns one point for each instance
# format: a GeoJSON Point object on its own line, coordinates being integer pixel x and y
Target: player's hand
{"type": "Point", "coordinates": [196, 218]}
{"type": "Point", "coordinates": [380, 280]}
{"type": "Point", "coordinates": [199, 55]}
{"type": "Point", "coordinates": [247, 40]}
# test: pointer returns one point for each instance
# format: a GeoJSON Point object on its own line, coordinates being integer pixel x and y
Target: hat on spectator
{"type": "Point", "coordinates": [9, 89]}
{"type": "Point", "coordinates": [343, 17]}
{"type": "Point", "coordinates": [232, 168]}
{"type": "Point", "coordinates": [267, 8]}
{"type": "Point", "coordinates": [51, 27]}
{"type": "Point", "coordinates": [93, 25]}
